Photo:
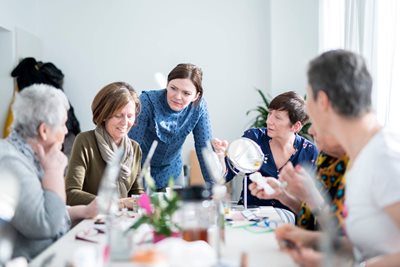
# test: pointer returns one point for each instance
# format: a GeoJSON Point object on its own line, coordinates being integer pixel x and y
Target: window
{"type": "Point", "coordinates": [371, 28]}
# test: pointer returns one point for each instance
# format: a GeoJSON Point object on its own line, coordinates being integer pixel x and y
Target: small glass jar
{"type": "Point", "coordinates": [195, 214]}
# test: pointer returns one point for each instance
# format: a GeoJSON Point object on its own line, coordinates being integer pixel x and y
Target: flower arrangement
{"type": "Point", "coordinates": [158, 210]}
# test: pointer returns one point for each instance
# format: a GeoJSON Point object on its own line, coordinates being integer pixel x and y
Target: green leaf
{"type": "Point", "coordinates": [139, 222]}
{"type": "Point", "coordinates": [262, 111]}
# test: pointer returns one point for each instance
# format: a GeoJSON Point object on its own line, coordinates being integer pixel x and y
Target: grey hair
{"type": "Point", "coordinates": [36, 104]}
{"type": "Point", "coordinates": [344, 77]}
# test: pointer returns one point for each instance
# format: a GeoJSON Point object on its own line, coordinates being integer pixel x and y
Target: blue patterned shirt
{"type": "Point", "coordinates": [157, 121]}
{"type": "Point", "coordinates": [305, 153]}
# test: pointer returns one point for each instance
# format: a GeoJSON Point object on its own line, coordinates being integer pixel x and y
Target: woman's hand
{"type": "Point", "coordinates": [260, 193]}
{"type": "Point", "coordinates": [53, 163]}
{"type": "Point", "coordinates": [220, 147]}
{"type": "Point", "coordinates": [128, 203]}
{"type": "Point", "coordinates": [299, 244]}
{"type": "Point", "coordinates": [81, 212]}
{"type": "Point", "coordinates": [91, 210]}
{"type": "Point", "coordinates": [297, 236]}
{"type": "Point", "coordinates": [53, 160]}
{"type": "Point", "coordinates": [280, 194]}
{"type": "Point", "coordinates": [302, 246]}
{"type": "Point", "coordinates": [301, 185]}
{"type": "Point", "coordinates": [306, 257]}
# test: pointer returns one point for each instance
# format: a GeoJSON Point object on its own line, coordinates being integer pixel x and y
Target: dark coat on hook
{"type": "Point", "coordinates": [29, 71]}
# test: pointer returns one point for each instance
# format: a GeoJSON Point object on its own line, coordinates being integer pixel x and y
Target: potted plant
{"type": "Point", "coordinates": [158, 209]}
{"type": "Point", "coordinates": [262, 111]}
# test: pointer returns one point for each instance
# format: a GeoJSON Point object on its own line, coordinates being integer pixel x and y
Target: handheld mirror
{"type": "Point", "coordinates": [244, 157]}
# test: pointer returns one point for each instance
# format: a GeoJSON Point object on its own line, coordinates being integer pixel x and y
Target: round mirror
{"type": "Point", "coordinates": [245, 155]}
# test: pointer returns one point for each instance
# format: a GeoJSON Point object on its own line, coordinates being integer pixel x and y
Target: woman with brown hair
{"type": "Point", "coordinates": [279, 142]}
{"type": "Point", "coordinates": [169, 116]}
{"type": "Point", "coordinates": [115, 109]}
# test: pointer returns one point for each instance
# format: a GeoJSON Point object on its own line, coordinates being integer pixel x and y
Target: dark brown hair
{"type": "Point", "coordinates": [188, 71]}
{"type": "Point", "coordinates": [293, 104]}
{"type": "Point", "coordinates": [111, 98]}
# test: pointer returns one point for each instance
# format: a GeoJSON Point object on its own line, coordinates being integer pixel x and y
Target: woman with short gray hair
{"type": "Point", "coordinates": [32, 153]}
{"type": "Point", "coordinates": [30, 110]}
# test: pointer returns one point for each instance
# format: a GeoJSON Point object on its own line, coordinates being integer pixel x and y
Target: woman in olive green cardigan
{"type": "Point", "coordinates": [114, 108]}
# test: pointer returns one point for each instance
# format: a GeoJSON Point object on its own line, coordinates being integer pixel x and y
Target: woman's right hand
{"type": "Point", "coordinates": [53, 163]}
{"type": "Point", "coordinates": [53, 160]}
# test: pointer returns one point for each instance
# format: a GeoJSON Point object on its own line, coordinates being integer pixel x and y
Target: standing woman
{"type": "Point", "coordinates": [168, 116]}
{"type": "Point", "coordinates": [114, 108]}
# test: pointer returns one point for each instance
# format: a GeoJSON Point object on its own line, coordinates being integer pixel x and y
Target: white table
{"type": "Point", "coordinates": [261, 248]}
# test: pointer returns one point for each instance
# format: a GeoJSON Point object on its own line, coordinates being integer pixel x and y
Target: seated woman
{"type": "Point", "coordinates": [279, 142]}
{"type": "Point", "coordinates": [115, 109]}
{"type": "Point", "coordinates": [32, 153]}
{"type": "Point", "coordinates": [339, 102]}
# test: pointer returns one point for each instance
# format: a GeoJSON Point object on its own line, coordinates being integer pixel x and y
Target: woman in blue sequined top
{"type": "Point", "coordinates": [169, 116]}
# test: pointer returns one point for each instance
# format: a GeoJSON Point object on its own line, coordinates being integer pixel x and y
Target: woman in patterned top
{"type": "Point", "coordinates": [169, 116]}
{"type": "Point", "coordinates": [302, 189]}
{"type": "Point", "coordinates": [331, 166]}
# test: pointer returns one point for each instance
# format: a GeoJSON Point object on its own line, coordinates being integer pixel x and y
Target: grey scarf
{"type": "Point", "coordinates": [107, 149]}
{"type": "Point", "coordinates": [20, 144]}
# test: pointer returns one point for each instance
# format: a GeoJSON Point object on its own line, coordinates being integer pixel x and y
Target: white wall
{"type": "Point", "coordinates": [294, 41]}
{"type": "Point", "coordinates": [14, 44]}
{"type": "Point", "coordinates": [6, 83]}
{"type": "Point", "coordinates": [240, 45]}
{"type": "Point", "coordinates": [97, 42]}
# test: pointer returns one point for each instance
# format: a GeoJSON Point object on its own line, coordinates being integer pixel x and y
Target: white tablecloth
{"type": "Point", "coordinates": [259, 244]}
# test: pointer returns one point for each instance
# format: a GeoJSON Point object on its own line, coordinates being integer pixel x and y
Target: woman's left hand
{"type": "Point", "coordinates": [127, 202]}
{"type": "Point", "coordinates": [305, 257]}
{"type": "Point", "coordinates": [91, 209]}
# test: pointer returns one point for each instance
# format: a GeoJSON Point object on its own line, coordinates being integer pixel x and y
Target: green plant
{"type": "Point", "coordinates": [262, 111]}
{"type": "Point", "coordinates": [158, 210]}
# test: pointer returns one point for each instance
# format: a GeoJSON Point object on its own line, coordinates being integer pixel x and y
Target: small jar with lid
{"type": "Point", "coordinates": [195, 214]}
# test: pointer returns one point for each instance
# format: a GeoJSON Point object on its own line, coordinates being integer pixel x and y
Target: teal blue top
{"type": "Point", "coordinates": [157, 121]}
